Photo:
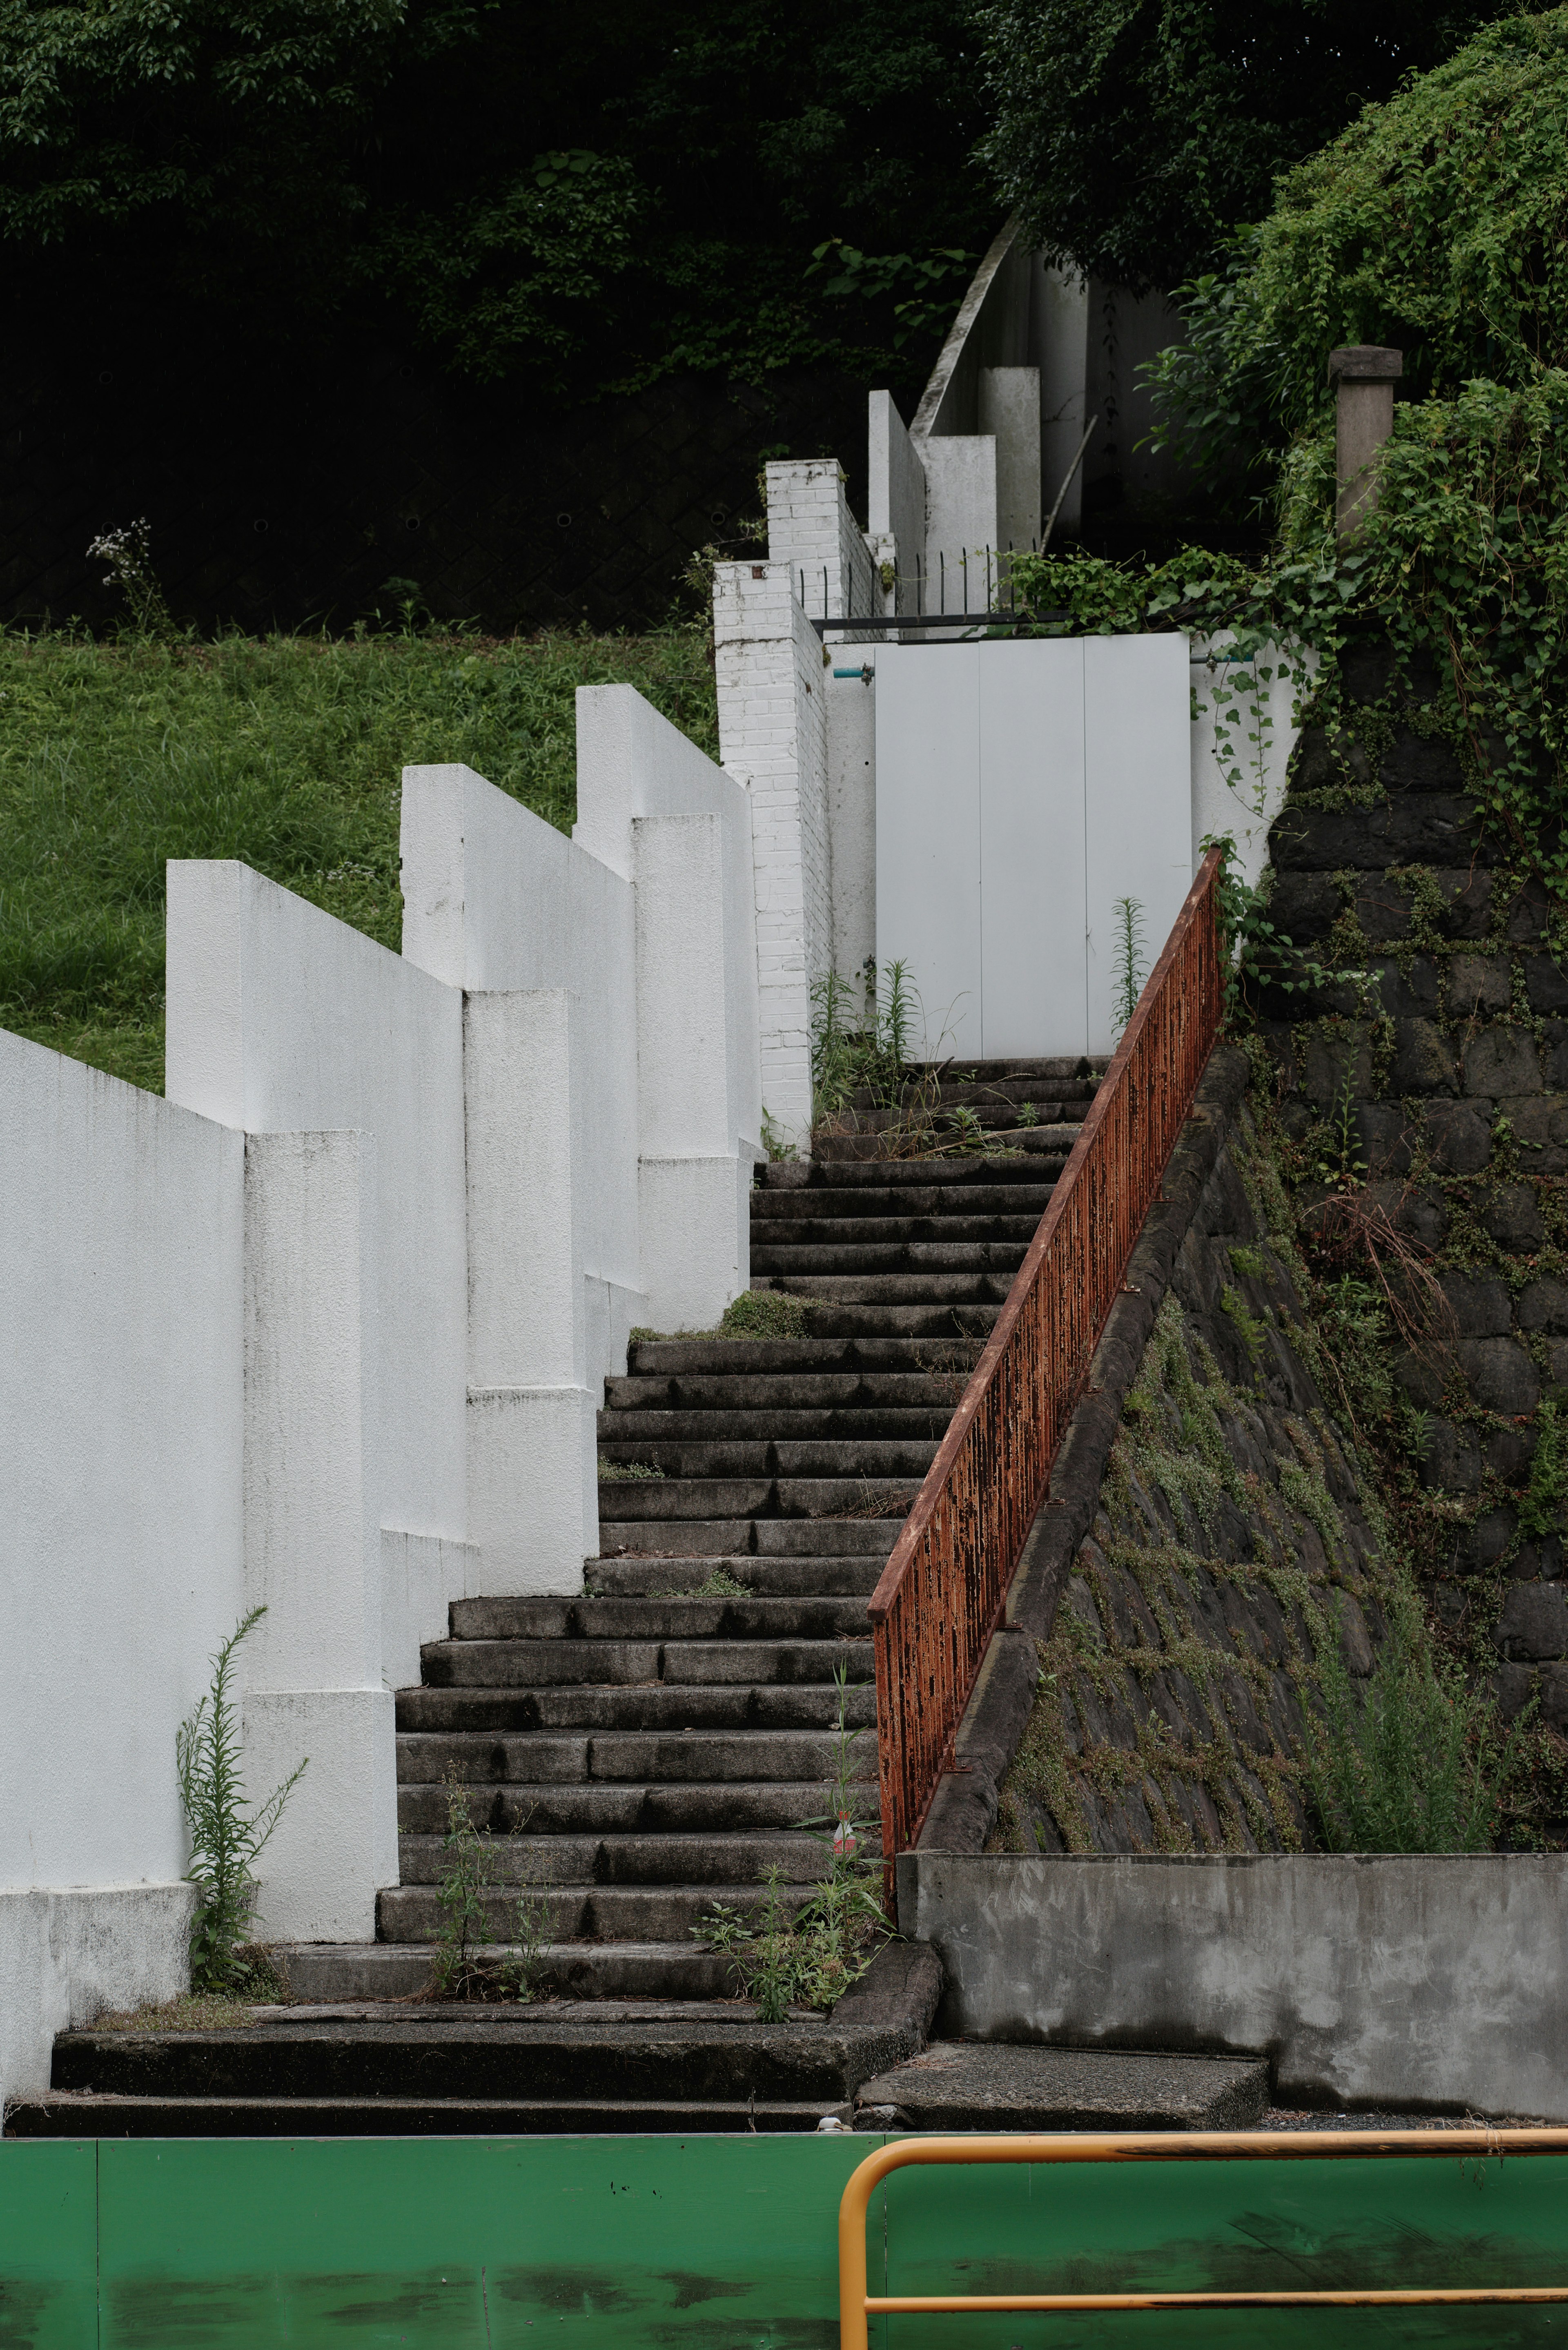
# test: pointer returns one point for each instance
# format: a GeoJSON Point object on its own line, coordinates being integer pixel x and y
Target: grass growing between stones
{"type": "Point", "coordinates": [284, 754]}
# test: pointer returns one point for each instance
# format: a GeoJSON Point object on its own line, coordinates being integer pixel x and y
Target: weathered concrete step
{"type": "Point", "coordinates": [972, 2085]}
{"type": "Point", "coordinates": [620, 1429]}
{"type": "Point", "coordinates": [685, 1807]}
{"type": "Point", "coordinates": [851, 1577]}
{"type": "Point", "coordinates": [670, 1707]}
{"type": "Point", "coordinates": [935, 1324]}
{"type": "Point", "coordinates": [888, 1175]}
{"type": "Point", "coordinates": [902, 1259]}
{"type": "Point", "coordinates": [576, 1971]}
{"type": "Point", "coordinates": [613, 1761]}
{"type": "Point", "coordinates": [1042, 1149]}
{"type": "Point", "coordinates": [817, 1357]}
{"type": "Point", "coordinates": [524, 1664]}
{"type": "Point", "coordinates": [882, 1232]}
{"type": "Point", "coordinates": [941, 1206]}
{"type": "Point", "coordinates": [934, 1288]}
{"type": "Point", "coordinates": [535, 1864]}
{"type": "Point", "coordinates": [668, 1618]}
{"type": "Point", "coordinates": [67, 2114]}
{"type": "Point", "coordinates": [877, 1458]}
{"type": "Point", "coordinates": [525, 2056]}
{"type": "Point", "coordinates": [582, 1913]}
{"type": "Point", "coordinates": [778, 1392]}
{"type": "Point", "coordinates": [636, 1500]}
{"type": "Point", "coordinates": [749, 1537]}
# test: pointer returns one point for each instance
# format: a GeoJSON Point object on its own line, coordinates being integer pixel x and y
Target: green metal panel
{"type": "Point", "coordinates": [1229, 2227]}
{"type": "Point", "coordinates": [729, 2243]}
{"type": "Point", "coordinates": [49, 2246]}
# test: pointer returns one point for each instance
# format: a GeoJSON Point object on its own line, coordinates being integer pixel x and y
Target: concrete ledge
{"type": "Point", "coordinates": [963, 1811]}
{"type": "Point", "coordinates": [1405, 1982]}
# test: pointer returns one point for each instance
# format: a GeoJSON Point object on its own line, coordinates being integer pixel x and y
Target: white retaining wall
{"type": "Point", "coordinates": [122, 1431]}
{"type": "Point", "coordinates": [326, 1329]}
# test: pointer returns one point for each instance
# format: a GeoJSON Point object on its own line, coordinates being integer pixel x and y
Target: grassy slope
{"type": "Point", "coordinates": [284, 754]}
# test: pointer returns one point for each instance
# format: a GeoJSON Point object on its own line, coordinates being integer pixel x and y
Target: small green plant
{"type": "Point", "coordinates": [627, 1472]}
{"type": "Point", "coordinates": [1414, 1762]}
{"type": "Point", "coordinates": [128, 555]}
{"type": "Point", "coordinates": [812, 1959]}
{"type": "Point", "coordinates": [1028, 1113]}
{"type": "Point", "coordinates": [779, 1150]}
{"type": "Point", "coordinates": [457, 1969]}
{"type": "Point", "coordinates": [533, 1930]}
{"type": "Point", "coordinates": [227, 1835]}
{"type": "Point", "coordinates": [721, 1584]}
{"type": "Point", "coordinates": [1249, 1264]}
{"type": "Point", "coordinates": [763, 1314]}
{"type": "Point", "coordinates": [1540, 1512]}
{"type": "Point", "coordinates": [1131, 967]}
{"type": "Point", "coordinates": [1253, 1334]}
{"type": "Point", "coordinates": [1414, 1431]}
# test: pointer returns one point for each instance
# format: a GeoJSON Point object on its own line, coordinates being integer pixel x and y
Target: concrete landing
{"type": "Point", "coordinates": [974, 2084]}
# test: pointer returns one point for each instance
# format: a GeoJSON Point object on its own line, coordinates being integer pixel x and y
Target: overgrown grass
{"type": "Point", "coordinates": [285, 753]}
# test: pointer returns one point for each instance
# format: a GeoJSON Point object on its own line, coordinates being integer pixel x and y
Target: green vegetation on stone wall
{"type": "Point", "coordinates": [284, 754]}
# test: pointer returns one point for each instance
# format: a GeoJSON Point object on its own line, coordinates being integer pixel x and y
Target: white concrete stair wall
{"type": "Point", "coordinates": [259, 1326]}
{"type": "Point", "coordinates": [122, 1434]}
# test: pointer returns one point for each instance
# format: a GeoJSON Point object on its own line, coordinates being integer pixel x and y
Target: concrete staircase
{"type": "Point", "coordinates": [649, 1746]}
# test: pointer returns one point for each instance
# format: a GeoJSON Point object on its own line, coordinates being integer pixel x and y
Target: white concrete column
{"type": "Point", "coordinates": [312, 1667]}
{"type": "Point", "coordinates": [772, 734]}
{"type": "Point", "coordinates": [533, 1491]}
{"type": "Point", "coordinates": [694, 1183]}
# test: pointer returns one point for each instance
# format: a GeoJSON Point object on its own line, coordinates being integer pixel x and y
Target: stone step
{"type": "Point", "coordinates": [893, 1174]}
{"type": "Point", "coordinates": [582, 1913]}
{"type": "Point", "coordinates": [778, 1392]}
{"type": "Point", "coordinates": [575, 1970]}
{"type": "Point", "coordinates": [1041, 1147]}
{"type": "Point", "coordinates": [858, 1232]}
{"type": "Point", "coordinates": [516, 2054]}
{"type": "Point", "coordinates": [650, 1541]}
{"type": "Point", "coordinates": [536, 1864]}
{"type": "Point", "coordinates": [552, 1664]}
{"type": "Point", "coordinates": [677, 1618]}
{"type": "Point", "coordinates": [977, 1287]}
{"type": "Point", "coordinates": [686, 1807]}
{"type": "Point", "coordinates": [819, 1356]}
{"type": "Point", "coordinates": [620, 1430]}
{"type": "Point", "coordinates": [881, 1459]}
{"type": "Point", "coordinates": [878, 1324]}
{"type": "Point", "coordinates": [635, 1502]}
{"type": "Point", "coordinates": [838, 1577]}
{"type": "Point", "coordinates": [906, 1262]}
{"type": "Point", "coordinates": [668, 1709]}
{"type": "Point", "coordinates": [69, 2114]}
{"type": "Point", "coordinates": [631, 1761]}
{"type": "Point", "coordinates": [972, 2085]}
{"type": "Point", "coordinates": [866, 1208]}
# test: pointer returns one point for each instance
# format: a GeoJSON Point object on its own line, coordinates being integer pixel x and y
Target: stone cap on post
{"type": "Point", "coordinates": [1363, 375]}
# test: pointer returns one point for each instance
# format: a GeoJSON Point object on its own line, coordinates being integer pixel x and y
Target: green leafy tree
{"type": "Point", "coordinates": [1137, 134]}
{"type": "Point", "coordinates": [1438, 222]}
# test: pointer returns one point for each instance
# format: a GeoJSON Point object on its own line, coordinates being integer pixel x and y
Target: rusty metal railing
{"type": "Point", "coordinates": [856, 2304]}
{"type": "Point", "coordinates": [942, 1590]}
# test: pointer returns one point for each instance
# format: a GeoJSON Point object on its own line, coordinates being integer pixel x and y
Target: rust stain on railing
{"type": "Point", "coordinates": [943, 1589]}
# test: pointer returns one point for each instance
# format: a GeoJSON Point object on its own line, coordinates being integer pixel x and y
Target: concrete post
{"type": "Point", "coordinates": [1364, 375]}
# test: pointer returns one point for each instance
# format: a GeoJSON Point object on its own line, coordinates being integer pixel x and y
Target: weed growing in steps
{"type": "Point", "coordinates": [465, 1965]}
{"type": "Point", "coordinates": [755, 1313]}
{"type": "Point", "coordinates": [230, 2011]}
{"type": "Point", "coordinates": [625, 1472]}
{"type": "Point", "coordinates": [227, 1834]}
{"type": "Point", "coordinates": [284, 753]}
{"type": "Point", "coordinates": [1131, 964]}
{"type": "Point", "coordinates": [810, 1960]}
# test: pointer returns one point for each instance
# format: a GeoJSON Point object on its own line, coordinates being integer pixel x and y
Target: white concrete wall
{"type": "Point", "coordinates": [1384, 1980]}
{"type": "Point", "coordinates": [122, 1436]}
{"type": "Point", "coordinates": [773, 735]}
{"type": "Point", "coordinates": [896, 501]}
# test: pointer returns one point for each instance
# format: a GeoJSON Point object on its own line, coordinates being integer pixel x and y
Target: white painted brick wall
{"type": "Point", "coordinates": [773, 715]}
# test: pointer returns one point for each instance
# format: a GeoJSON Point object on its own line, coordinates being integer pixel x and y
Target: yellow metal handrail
{"type": "Point", "coordinates": [856, 2304]}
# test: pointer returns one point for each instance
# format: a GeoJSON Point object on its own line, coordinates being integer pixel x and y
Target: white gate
{"type": "Point", "coordinates": [1023, 787]}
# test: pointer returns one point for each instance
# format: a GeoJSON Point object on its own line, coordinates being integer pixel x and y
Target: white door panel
{"type": "Point", "coordinates": [1138, 802]}
{"type": "Point", "coordinates": [1023, 786]}
{"type": "Point", "coordinates": [928, 833]}
{"type": "Point", "coordinates": [1032, 848]}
